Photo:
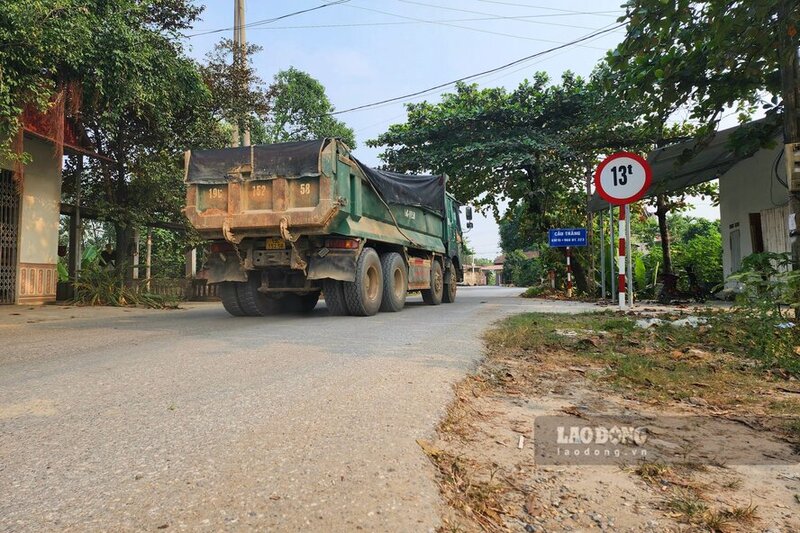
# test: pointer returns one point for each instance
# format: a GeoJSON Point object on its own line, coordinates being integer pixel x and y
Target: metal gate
{"type": "Point", "coordinates": [9, 230]}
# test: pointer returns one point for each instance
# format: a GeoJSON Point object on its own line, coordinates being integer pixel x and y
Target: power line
{"type": "Point", "coordinates": [270, 21]}
{"type": "Point", "coordinates": [407, 22]}
{"type": "Point", "coordinates": [490, 32]}
{"type": "Point", "coordinates": [482, 73]}
{"type": "Point", "coordinates": [569, 11]}
{"type": "Point", "coordinates": [447, 8]}
{"type": "Point", "coordinates": [480, 77]}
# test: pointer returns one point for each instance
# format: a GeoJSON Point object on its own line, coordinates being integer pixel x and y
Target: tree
{"type": "Point", "coordinates": [531, 147]}
{"type": "Point", "coordinates": [41, 44]}
{"type": "Point", "coordinates": [711, 55]}
{"type": "Point", "coordinates": [301, 111]}
{"type": "Point", "coordinates": [239, 96]}
{"type": "Point", "coordinates": [143, 103]}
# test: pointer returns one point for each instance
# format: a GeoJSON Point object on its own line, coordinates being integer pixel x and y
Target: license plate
{"type": "Point", "coordinates": [274, 243]}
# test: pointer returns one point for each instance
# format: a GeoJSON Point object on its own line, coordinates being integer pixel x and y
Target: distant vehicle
{"type": "Point", "coordinates": [289, 221]}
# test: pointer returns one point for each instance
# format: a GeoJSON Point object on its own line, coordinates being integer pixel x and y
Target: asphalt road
{"type": "Point", "coordinates": [121, 420]}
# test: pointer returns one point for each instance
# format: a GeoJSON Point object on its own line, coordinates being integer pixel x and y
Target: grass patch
{"type": "Point", "coordinates": [687, 503]}
{"type": "Point", "coordinates": [705, 365]}
{"type": "Point", "coordinates": [653, 472]}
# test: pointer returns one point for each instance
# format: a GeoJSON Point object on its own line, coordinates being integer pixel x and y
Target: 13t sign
{"type": "Point", "coordinates": [622, 178]}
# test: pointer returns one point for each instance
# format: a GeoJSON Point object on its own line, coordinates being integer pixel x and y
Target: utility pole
{"type": "Point", "coordinates": [790, 86]}
{"type": "Point", "coordinates": [240, 59]}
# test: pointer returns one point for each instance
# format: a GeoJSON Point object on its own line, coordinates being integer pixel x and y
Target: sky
{"type": "Point", "coordinates": [366, 51]}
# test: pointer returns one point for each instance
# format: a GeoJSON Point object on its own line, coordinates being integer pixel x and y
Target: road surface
{"type": "Point", "coordinates": [133, 419]}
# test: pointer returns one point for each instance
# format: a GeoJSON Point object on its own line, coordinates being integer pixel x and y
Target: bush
{"type": "Point", "coordinates": [97, 285]}
{"type": "Point", "coordinates": [767, 287]}
{"type": "Point", "coordinates": [534, 292]}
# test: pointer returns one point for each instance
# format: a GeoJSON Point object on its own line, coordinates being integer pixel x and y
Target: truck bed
{"type": "Point", "coordinates": [314, 188]}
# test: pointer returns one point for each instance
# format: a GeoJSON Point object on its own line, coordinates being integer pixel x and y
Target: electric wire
{"type": "Point", "coordinates": [521, 18]}
{"type": "Point", "coordinates": [480, 74]}
{"type": "Point", "coordinates": [269, 21]}
{"type": "Point", "coordinates": [473, 12]}
{"type": "Point", "coordinates": [565, 11]}
{"type": "Point", "coordinates": [469, 28]}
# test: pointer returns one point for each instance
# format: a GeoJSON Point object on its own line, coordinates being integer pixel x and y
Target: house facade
{"type": "Point", "coordinates": [754, 208]}
{"type": "Point", "coordinates": [29, 225]}
{"type": "Point", "coordinates": [30, 203]}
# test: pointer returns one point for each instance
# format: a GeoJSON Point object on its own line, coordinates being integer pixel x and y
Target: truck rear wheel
{"type": "Point", "coordinates": [395, 282]}
{"type": "Point", "coordinates": [334, 297]}
{"type": "Point", "coordinates": [255, 303]}
{"type": "Point", "coordinates": [450, 287]}
{"type": "Point", "coordinates": [433, 296]}
{"type": "Point", "coordinates": [365, 294]}
{"type": "Point", "coordinates": [230, 300]}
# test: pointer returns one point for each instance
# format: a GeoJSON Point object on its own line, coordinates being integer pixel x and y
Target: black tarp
{"type": "Point", "coordinates": [408, 189]}
{"type": "Point", "coordinates": [216, 166]}
{"type": "Point", "coordinates": [294, 159]}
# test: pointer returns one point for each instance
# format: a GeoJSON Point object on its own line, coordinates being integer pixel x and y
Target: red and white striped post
{"type": "Point", "coordinates": [569, 272]}
{"type": "Point", "coordinates": [621, 262]}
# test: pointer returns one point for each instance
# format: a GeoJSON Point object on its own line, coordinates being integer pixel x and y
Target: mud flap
{"type": "Point", "coordinates": [225, 268]}
{"type": "Point", "coordinates": [338, 265]}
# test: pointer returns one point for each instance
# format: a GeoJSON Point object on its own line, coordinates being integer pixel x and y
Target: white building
{"type": "Point", "coordinates": [754, 208]}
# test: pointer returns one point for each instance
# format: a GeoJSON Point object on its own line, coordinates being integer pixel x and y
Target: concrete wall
{"type": "Point", "coordinates": [751, 187]}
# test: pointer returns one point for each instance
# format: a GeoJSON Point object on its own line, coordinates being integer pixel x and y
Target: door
{"type": "Point", "coordinates": [736, 250]}
{"type": "Point", "coordinates": [9, 230]}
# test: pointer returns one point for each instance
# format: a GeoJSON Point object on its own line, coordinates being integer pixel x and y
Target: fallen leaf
{"type": "Point", "coordinates": [428, 448]}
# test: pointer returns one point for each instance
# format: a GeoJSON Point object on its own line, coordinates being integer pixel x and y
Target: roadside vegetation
{"type": "Point", "coordinates": [711, 364]}
{"type": "Point", "coordinates": [724, 361]}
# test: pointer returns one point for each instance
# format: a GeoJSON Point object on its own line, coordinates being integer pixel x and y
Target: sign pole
{"type": "Point", "coordinates": [569, 272]}
{"type": "Point", "coordinates": [602, 256]}
{"type": "Point", "coordinates": [612, 255]}
{"type": "Point", "coordinates": [621, 259]}
{"type": "Point", "coordinates": [628, 253]}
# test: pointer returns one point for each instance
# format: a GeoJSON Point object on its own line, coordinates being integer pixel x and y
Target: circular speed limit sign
{"type": "Point", "coordinates": [622, 178]}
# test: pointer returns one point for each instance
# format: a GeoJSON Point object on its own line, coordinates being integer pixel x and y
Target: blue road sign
{"type": "Point", "coordinates": [561, 237]}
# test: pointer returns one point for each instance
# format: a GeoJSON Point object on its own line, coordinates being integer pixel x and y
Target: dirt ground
{"type": "Point", "coordinates": [721, 468]}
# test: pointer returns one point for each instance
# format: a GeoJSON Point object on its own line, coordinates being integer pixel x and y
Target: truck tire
{"type": "Point", "coordinates": [365, 294]}
{"type": "Point", "coordinates": [334, 297]}
{"type": "Point", "coordinates": [450, 287]}
{"type": "Point", "coordinates": [230, 299]}
{"type": "Point", "coordinates": [255, 303]}
{"type": "Point", "coordinates": [395, 282]}
{"type": "Point", "coordinates": [433, 296]}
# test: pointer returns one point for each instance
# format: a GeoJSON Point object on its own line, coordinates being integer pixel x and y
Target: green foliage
{"type": "Point", "coordinates": [767, 284]}
{"type": "Point", "coordinates": [640, 272]}
{"type": "Point", "coordinates": [168, 254]}
{"type": "Point", "coordinates": [522, 271]}
{"type": "Point", "coordinates": [101, 286]}
{"type": "Point", "coordinates": [301, 111]}
{"type": "Point", "coordinates": [706, 56]}
{"type": "Point", "coordinates": [767, 281]}
{"type": "Point", "coordinates": [534, 292]}
{"type": "Point", "coordinates": [42, 42]}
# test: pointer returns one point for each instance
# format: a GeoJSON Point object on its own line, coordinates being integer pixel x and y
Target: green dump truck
{"type": "Point", "coordinates": [289, 221]}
